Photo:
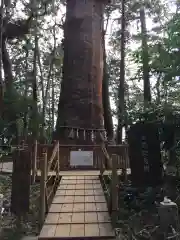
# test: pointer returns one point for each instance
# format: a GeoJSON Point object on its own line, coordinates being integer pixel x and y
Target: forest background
{"type": "Point", "coordinates": [141, 64]}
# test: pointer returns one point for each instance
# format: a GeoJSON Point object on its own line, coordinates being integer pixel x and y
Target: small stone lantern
{"type": "Point", "coordinates": [168, 213]}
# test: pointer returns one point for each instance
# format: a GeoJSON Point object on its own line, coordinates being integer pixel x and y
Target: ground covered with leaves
{"type": "Point", "coordinates": [11, 227]}
{"type": "Point", "coordinates": [138, 217]}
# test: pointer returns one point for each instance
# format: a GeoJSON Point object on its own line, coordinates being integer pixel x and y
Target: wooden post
{"type": "Point", "coordinates": [23, 144]}
{"type": "Point", "coordinates": [96, 158]}
{"type": "Point", "coordinates": [21, 182]}
{"type": "Point", "coordinates": [101, 163]}
{"type": "Point", "coordinates": [100, 159]}
{"type": "Point", "coordinates": [58, 163]}
{"type": "Point", "coordinates": [43, 179]}
{"type": "Point", "coordinates": [34, 162]}
{"type": "Point", "coordinates": [126, 162]}
{"type": "Point", "coordinates": [114, 190]}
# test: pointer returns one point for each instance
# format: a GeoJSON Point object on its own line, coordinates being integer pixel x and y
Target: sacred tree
{"type": "Point", "coordinates": [80, 111]}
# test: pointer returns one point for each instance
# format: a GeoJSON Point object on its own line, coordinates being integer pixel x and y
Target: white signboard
{"type": "Point", "coordinates": [81, 158]}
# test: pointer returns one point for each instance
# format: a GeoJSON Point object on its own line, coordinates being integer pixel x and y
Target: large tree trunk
{"type": "Point", "coordinates": [80, 104]}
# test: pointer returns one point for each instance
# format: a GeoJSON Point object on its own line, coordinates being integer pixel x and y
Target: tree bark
{"type": "Point", "coordinates": [53, 84]}
{"type": "Point", "coordinates": [108, 122]}
{"type": "Point", "coordinates": [158, 97]}
{"type": "Point", "coordinates": [145, 58]}
{"type": "Point", "coordinates": [7, 66]}
{"type": "Point", "coordinates": [1, 78]}
{"type": "Point", "coordinates": [80, 103]}
{"type": "Point", "coordinates": [34, 92]}
{"type": "Point", "coordinates": [8, 30]}
{"type": "Point", "coordinates": [121, 89]}
{"type": "Point", "coordinates": [53, 104]}
{"type": "Point", "coordinates": [26, 120]}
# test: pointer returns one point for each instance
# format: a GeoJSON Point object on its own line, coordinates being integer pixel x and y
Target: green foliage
{"type": "Point", "coordinates": [19, 101]}
{"type": "Point", "coordinates": [164, 61]}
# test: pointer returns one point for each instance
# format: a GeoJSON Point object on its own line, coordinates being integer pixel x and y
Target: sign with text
{"type": "Point", "coordinates": [144, 154]}
{"type": "Point", "coordinates": [81, 158]}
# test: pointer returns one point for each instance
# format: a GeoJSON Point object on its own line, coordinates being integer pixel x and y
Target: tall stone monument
{"type": "Point", "coordinates": [144, 154]}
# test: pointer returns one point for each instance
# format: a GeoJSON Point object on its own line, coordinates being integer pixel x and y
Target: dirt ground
{"type": "Point", "coordinates": [11, 228]}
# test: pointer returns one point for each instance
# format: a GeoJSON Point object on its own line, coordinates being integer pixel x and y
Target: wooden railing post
{"type": "Point", "coordinates": [43, 179]}
{"type": "Point", "coordinates": [126, 162]}
{"type": "Point", "coordinates": [114, 192]}
{"type": "Point", "coordinates": [102, 160]}
{"type": "Point", "coordinates": [22, 143]}
{"type": "Point", "coordinates": [34, 162]}
{"type": "Point", "coordinates": [58, 163]}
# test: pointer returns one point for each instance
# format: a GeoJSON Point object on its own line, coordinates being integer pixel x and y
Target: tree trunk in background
{"type": "Point", "coordinates": [26, 117]}
{"type": "Point", "coordinates": [34, 93]}
{"type": "Point", "coordinates": [1, 95]}
{"type": "Point", "coordinates": [53, 84]}
{"type": "Point", "coordinates": [145, 58]}
{"type": "Point", "coordinates": [53, 103]}
{"type": "Point", "coordinates": [108, 122]}
{"type": "Point", "coordinates": [7, 66]}
{"type": "Point", "coordinates": [1, 68]}
{"type": "Point", "coordinates": [80, 103]}
{"type": "Point", "coordinates": [158, 92]}
{"type": "Point", "coordinates": [121, 89]}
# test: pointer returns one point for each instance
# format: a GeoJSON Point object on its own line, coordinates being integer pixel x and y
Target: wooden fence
{"type": "Point", "coordinates": [64, 155]}
{"type": "Point", "coordinates": [112, 158]}
{"type": "Point", "coordinates": [55, 158]}
{"type": "Point", "coordinates": [48, 184]}
{"type": "Point", "coordinates": [112, 190]}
